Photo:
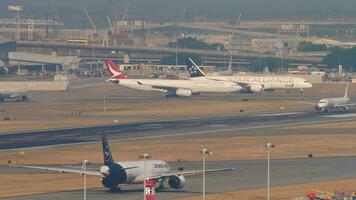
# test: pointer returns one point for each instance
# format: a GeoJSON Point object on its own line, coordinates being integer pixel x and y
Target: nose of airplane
{"type": "Point", "coordinates": [309, 85]}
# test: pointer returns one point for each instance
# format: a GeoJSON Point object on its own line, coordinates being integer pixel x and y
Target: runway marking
{"type": "Point", "coordinates": [184, 134]}
{"type": "Point", "coordinates": [217, 125]}
{"type": "Point", "coordinates": [149, 125]}
{"type": "Point", "coordinates": [112, 131]}
{"type": "Point", "coordinates": [279, 114]}
{"type": "Point", "coordinates": [341, 115]}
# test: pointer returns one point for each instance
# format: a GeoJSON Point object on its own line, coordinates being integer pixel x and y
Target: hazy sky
{"type": "Point", "coordinates": [71, 10]}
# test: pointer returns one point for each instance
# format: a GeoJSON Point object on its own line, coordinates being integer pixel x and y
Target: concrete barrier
{"type": "Point", "coordinates": [35, 85]}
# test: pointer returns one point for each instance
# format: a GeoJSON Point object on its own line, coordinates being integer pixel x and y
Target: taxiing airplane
{"type": "Point", "coordinates": [336, 104]}
{"type": "Point", "coordinates": [17, 95]}
{"type": "Point", "coordinates": [251, 84]}
{"type": "Point", "coordinates": [173, 88]}
{"type": "Point", "coordinates": [113, 174]}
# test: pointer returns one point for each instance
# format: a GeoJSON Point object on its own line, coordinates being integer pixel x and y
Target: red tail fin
{"type": "Point", "coordinates": [114, 71]}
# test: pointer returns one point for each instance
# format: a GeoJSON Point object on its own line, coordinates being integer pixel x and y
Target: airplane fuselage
{"type": "Point", "coordinates": [332, 104]}
{"type": "Point", "coordinates": [131, 172]}
{"type": "Point", "coordinates": [268, 82]}
{"type": "Point", "coordinates": [195, 86]}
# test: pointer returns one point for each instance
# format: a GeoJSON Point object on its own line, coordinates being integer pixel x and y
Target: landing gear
{"type": "Point", "coordinates": [160, 186]}
{"type": "Point", "coordinates": [115, 189]}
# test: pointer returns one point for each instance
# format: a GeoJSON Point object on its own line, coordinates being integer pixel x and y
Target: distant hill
{"type": "Point", "coordinates": [70, 11]}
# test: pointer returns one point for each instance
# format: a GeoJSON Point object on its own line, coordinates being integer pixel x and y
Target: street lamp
{"type": "Point", "coordinates": [268, 146]}
{"type": "Point", "coordinates": [84, 167]}
{"type": "Point", "coordinates": [144, 157]}
{"type": "Point", "coordinates": [205, 152]}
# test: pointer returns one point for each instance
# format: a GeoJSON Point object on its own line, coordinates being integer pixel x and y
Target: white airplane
{"type": "Point", "coordinates": [113, 174]}
{"type": "Point", "coordinates": [336, 104]}
{"type": "Point", "coordinates": [173, 88]}
{"type": "Point", "coordinates": [17, 95]}
{"type": "Point", "coordinates": [253, 84]}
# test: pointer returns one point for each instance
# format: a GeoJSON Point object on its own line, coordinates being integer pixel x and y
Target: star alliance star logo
{"type": "Point", "coordinates": [193, 70]}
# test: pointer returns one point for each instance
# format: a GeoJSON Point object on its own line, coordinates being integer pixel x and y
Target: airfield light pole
{"type": "Point", "coordinates": [84, 166]}
{"type": "Point", "coordinates": [144, 157]}
{"type": "Point", "coordinates": [268, 146]}
{"type": "Point", "coordinates": [205, 152]}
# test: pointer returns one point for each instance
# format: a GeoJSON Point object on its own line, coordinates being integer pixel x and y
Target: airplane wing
{"type": "Point", "coordinates": [162, 86]}
{"type": "Point", "coordinates": [346, 105]}
{"type": "Point", "coordinates": [70, 169]}
{"type": "Point", "coordinates": [190, 173]}
{"type": "Point", "coordinates": [305, 102]}
{"type": "Point", "coordinates": [242, 84]}
{"type": "Point", "coordinates": [62, 169]}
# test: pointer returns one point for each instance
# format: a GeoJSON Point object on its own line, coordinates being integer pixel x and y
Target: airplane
{"type": "Point", "coordinates": [17, 95]}
{"type": "Point", "coordinates": [251, 84]}
{"type": "Point", "coordinates": [339, 103]}
{"type": "Point", "coordinates": [113, 174]}
{"type": "Point", "coordinates": [173, 88]}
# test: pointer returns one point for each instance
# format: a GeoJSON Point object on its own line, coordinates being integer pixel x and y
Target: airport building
{"type": "Point", "coordinates": [6, 46]}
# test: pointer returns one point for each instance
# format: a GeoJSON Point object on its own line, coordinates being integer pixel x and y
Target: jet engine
{"type": "Point", "coordinates": [176, 182]}
{"type": "Point", "coordinates": [183, 93]}
{"type": "Point", "coordinates": [105, 170]}
{"type": "Point", "coordinates": [344, 108]}
{"type": "Point", "coordinates": [256, 88]}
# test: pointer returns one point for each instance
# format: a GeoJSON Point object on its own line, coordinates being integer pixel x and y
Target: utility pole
{"type": "Point", "coordinates": [205, 152]}
{"type": "Point", "coordinates": [84, 166]}
{"type": "Point", "coordinates": [268, 146]}
{"type": "Point", "coordinates": [144, 157]}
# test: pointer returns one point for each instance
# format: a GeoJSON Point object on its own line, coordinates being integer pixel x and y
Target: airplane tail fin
{"type": "Point", "coordinates": [193, 69]}
{"type": "Point", "coordinates": [114, 70]}
{"type": "Point", "coordinates": [347, 90]}
{"type": "Point", "coordinates": [108, 160]}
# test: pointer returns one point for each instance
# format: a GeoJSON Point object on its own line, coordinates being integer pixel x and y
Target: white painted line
{"type": "Point", "coordinates": [217, 125]}
{"type": "Point", "coordinates": [341, 115]}
{"type": "Point", "coordinates": [279, 114]}
{"type": "Point", "coordinates": [149, 125]}
{"type": "Point", "coordinates": [188, 133]}
{"type": "Point", "coordinates": [112, 131]}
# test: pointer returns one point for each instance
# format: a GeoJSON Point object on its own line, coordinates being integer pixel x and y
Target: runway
{"type": "Point", "coordinates": [216, 126]}
{"type": "Point", "coordinates": [248, 174]}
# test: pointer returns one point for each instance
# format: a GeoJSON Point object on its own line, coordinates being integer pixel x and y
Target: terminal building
{"type": "Point", "coordinates": [6, 46]}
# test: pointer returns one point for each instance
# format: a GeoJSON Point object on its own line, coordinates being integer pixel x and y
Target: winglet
{"type": "Point", "coordinates": [193, 68]}
{"type": "Point", "coordinates": [108, 160]}
{"type": "Point", "coordinates": [347, 90]}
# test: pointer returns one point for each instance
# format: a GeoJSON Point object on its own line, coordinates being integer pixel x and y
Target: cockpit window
{"type": "Point", "coordinates": [322, 101]}
{"type": "Point", "coordinates": [306, 81]}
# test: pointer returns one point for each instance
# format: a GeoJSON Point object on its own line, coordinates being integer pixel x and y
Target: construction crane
{"type": "Point", "coordinates": [116, 34]}
{"type": "Point", "coordinates": [124, 15]}
{"type": "Point", "coordinates": [112, 29]}
{"type": "Point", "coordinates": [90, 20]}
{"type": "Point", "coordinates": [233, 32]}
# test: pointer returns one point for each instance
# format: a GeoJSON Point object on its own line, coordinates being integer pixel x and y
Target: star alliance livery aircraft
{"type": "Point", "coordinates": [252, 84]}
{"type": "Point", "coordinates": [113, 174]}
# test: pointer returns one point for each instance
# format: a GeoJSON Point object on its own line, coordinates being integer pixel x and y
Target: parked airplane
{"type": "Point", "coordinates": [131, 172]}
{"type": "Point", "coordinates": [339, 103]}
{"type": "Point", "coordinates": [253, 84]}
{"type": "Point", "coordinates": [17, 95]}
{"type": "Point", "coordinates": [173, 88]}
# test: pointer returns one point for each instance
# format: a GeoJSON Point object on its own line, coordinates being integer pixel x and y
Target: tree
{"type": "Point", "coordinates": [310, 47]}
{"type": "Point", "coordinates": [345, 57]}
{"type": "Point", "coordinates": [171, 59]}
{"type": "Point", "coordinates": [192, 43]}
